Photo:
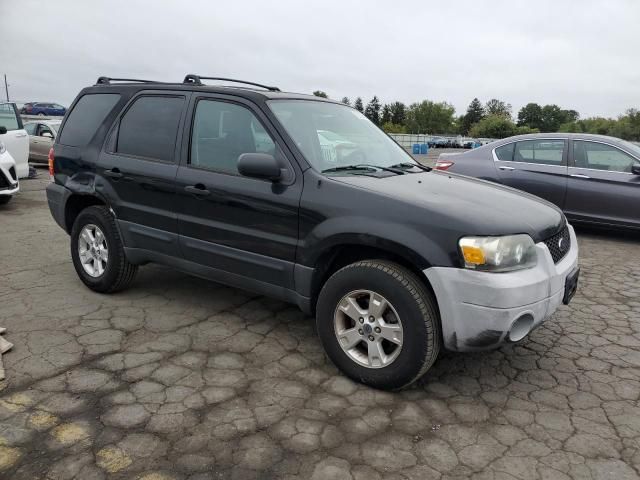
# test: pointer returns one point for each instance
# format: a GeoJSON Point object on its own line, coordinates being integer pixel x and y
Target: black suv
{"type": "Point", "coordinates": [304, 199]}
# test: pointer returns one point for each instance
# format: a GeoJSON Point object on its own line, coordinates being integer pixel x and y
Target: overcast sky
{"type": "Point", "coordinates": [579, 54]}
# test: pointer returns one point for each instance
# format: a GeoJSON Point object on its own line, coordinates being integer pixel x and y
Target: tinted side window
{"type": "Point", "coordinates": [545, 152]}
{"type": "Point", "coordinates": [599, 156]}
{"type": "Point", "coordinates": [86, 117]}
{"type": "Point", "coordinates": [8, 117]}
{"type": "Point", "coordinates": [222, 132]}
{"type": "Point", "coordinates": [149, 128]}
{"type": "Point", "coordinates": [505, 152]}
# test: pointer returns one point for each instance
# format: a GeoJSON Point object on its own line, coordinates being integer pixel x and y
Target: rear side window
{"type": "Point", "coordinates": [149, 128]}
{"type": "Point", "coordinates": [8, 117]}
{"type": "Point", "coordinates": [505, 152]}
{"type": "Point", "coordinates": [544, 152]}
{"type": "Point", "coordinates": [86, 117]}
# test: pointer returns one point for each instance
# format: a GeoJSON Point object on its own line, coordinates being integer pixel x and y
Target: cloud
{"type": "Point", "coordinates": [580, 55]}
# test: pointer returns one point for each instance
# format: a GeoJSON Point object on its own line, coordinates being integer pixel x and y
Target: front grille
{"type": "Point", "coordinates": [559, 244]}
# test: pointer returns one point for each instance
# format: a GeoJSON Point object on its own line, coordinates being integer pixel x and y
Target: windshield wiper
{"type": "Point", "coordinates": [363, 166]}
{"type": "Point", "coordinates": [412, 165]}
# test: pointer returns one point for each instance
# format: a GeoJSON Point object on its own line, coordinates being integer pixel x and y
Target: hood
{"type": "Point", "coordinates": [477, 206]}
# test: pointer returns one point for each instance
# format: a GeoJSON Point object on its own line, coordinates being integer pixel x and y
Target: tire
{"type": "Point", "coordinates": [118, 272]}
{"type": "Point", "coordinates": [4, 199]}
{"type": "Point", "coordinates": [411, 302]}
{"type": "Point", "coordinates": [41, 114]}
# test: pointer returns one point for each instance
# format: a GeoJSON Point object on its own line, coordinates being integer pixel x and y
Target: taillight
{"type": "Point", "coordinates": [443, 165]}
{"type": "Point", "coordinates": [51, 158]}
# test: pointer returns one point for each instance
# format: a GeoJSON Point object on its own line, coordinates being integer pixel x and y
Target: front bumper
{"type": "Point", "coordinates": [481, 310]}
{"type": "Point", "coordinates": [8, 184]}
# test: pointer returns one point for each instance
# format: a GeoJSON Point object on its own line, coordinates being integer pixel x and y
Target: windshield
{"type": "Point", "coordinates": [353, 139]}
{"type": "Point", "coordinates": [632, 147]}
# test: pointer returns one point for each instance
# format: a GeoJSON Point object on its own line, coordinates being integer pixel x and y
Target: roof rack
{"type": "Point", "coordinates": [109, 80]}
{"type": "Point", "coordinates": [197, 80]}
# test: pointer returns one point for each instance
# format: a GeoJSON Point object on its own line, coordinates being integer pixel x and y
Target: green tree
{"type": "Point", "coordinates": [358, 105]}
{"type": "Point", "coordinates": [494, 126]}
{"type": "Point", "coordinates": [385, 117]}
{"type": "Point", "coordinates": [320, 93]}
{"type": "Point", "coordinates": [372, 112]}
{"type": "Point", "coordinates": [346, 101]}
{"type": "Point", "coordinates": [430, 117]}
{"type": "Point", "coordinates": [498, 107]}
{"type": "Point", "coordinates": [398, 113]}
{"type": "Point", "coordinates": [391, 127]}
{"type": "Point", "coordinates": [530, 115]}
{"type": "Point", "coordinates": [475, 113]}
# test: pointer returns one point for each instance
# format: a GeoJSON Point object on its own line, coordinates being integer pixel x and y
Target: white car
{"type": "Point", "coordinates": [15, 137]}
{"type": "Point", "coordinates": [8, 176]}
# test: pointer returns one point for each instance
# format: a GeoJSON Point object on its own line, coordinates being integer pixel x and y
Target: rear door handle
{"type": "Point", "coordinates": [113, 173]}
{"type": "Point", "coordinates": [506, 168]}
{"type": "Point", "coordinates": [579, 175]}
{"type": "Point", "coordinates": [198, 189]}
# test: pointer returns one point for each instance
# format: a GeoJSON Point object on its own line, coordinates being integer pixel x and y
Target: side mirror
{"type": "Point", "coordinates": [3, 130]}
{"type": "Point", "coordinates": [635, 168]}
{"type": "Point", "coordinates": [259, 165]}
{"type": "Point", "coordinates": [47, 135]}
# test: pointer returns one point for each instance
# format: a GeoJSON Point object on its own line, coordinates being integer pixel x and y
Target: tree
{"type": "Point", "coordinates": [358, 105]}
{"type": "Point", "coordinates": [346, 101]}
{"type": "Point", "coordinates": [475, 113]}
{"type": "Point", "coordinates": [372, 112]}
{"type": "Point", "coordinates": [430, 117]}
{"type": "Point", "coordinates": [320, 93]}
{"type": "Point", "coordinates": [386, 114]}
{"type": "Point", "coordinates": [498, 107]}
{"type": "Point", "coordinates": [552, 117]}
{"type": "Point", "coordinates": [398, 112]}
{"type": "Point", "coordinates": [530, 115]}
{"type": "Point", "coordinates": [494, 126]}
{"type": "Point", "coordinates": [391, 127]}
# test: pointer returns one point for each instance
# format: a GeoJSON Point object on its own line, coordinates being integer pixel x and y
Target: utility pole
{"type": "Point", "coordinates": [6, 86]}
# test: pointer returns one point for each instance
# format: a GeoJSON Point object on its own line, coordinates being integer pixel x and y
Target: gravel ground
{"type": "Point", "coordinates": [179, 378]}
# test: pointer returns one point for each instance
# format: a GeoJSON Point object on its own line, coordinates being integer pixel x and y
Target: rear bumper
{"type": "Point", "coordinates": [481, 310]}
{"type": "Point", "coordinates": [57, 198]}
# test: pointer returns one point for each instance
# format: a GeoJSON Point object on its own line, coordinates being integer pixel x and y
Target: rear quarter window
{"type": "Point", "coordinates": [85, 118]}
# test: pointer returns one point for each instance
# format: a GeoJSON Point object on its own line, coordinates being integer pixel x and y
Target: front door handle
{"type": "Point", "coordinates": [197, 189]}
{"type": "Point", "coordinates": [506, 168]}
{"type": "Point", "coordinates": [579, 175]}
{"type": "Point", "coordinates": [113, 173]}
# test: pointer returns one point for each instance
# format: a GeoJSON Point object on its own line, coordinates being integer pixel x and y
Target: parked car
{"type": "Point", "coordinates": [394, 259]}
{"type": "Point", "coordinates": [14, 137]}
{"type": "Point", "coordinates": [595, 179]}
{"type": "Point", "coordinates": [8, 176]}
{"type": "Point", "coordinates": [43, 109]}
{"type": "Point", "coordinates": [41, 137]}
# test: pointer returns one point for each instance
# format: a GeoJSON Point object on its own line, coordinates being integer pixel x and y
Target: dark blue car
{"type": "Point", "coordinates": [43, 109]}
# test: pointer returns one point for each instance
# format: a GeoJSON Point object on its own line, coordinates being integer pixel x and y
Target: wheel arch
{"type": "Point", "coordinates": [75, 204]}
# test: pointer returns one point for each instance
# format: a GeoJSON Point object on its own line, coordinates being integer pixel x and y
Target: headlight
{"type": "Point", "coordinates": [498, 254]}
{"type": "Point", "coordinates": [3, 148]}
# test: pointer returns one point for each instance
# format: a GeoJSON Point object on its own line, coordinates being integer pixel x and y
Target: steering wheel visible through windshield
{"type": "Point", "coordinates": [333, 136]}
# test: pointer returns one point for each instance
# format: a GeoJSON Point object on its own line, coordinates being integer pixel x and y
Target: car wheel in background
{"type": "Point", "coordinates": [97, 251]}
{"type": "Point", "coordinates": [378, 324]}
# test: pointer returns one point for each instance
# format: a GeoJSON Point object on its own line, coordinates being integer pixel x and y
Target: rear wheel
{"type": "Point", "coordinates": [97, 251]}
{"type": "Point", "coordinates": [378, 324]}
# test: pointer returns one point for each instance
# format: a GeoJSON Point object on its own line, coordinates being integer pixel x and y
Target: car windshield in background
{"type": "Point", "coordinates": [333, 136]}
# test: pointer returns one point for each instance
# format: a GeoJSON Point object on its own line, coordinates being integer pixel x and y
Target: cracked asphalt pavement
{"type": "Point", "coordinates": [180, 378]}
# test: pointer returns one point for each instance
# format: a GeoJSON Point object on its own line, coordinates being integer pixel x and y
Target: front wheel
{"type": "Point", "coordinates": [97, 251]}
{"type": "Point", "coordinates": [378, 324]}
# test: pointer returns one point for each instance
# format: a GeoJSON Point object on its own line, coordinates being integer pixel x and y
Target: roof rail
{"type": "Point", "coordinates": [108, 80]}
{"type": "Point", "coordinates": [197, 80]}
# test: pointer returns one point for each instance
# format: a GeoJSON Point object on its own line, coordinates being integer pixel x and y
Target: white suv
{"type": "Point", "coordinates": [15, 138]}
{"type": "Point", "coordinates": [8, 176]}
